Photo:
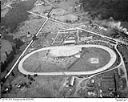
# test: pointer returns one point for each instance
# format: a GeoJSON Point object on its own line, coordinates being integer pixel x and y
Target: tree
{"type": "Point", "coordinates": [6, 49]}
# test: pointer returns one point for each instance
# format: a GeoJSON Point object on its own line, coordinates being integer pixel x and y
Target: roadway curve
{"type": "Point", "coordinates": [108, 65]}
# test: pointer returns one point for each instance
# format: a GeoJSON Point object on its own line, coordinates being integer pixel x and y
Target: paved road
{"type": "Point", "coordinates": [50, 18]}
{"type": "Point", "coordinates": [25, 50]}
{"type": "Point", "coordinates": [117, 40]}
{"type": "Point", "coordinates": [108, 65]}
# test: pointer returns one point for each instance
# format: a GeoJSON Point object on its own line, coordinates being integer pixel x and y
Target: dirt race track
{"type": "Point", "coordinates": [93, 59]}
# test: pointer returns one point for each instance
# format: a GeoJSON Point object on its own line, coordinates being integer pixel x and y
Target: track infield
{"type": "Point", "coordinates": [94, 58]}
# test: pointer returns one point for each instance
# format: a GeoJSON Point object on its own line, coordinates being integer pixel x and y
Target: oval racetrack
{"type": "Point", "coordinates": [94, 58]}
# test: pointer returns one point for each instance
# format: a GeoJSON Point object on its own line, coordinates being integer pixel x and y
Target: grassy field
{"type": "Point", "coordinates": [41, 87]}
{"type": "Point", "coordinates": [92, 59]}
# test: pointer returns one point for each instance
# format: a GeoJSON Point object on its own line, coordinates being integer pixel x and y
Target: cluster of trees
{"type": "Point", "coordinates": [107, 8]}
{"type": "Point", "coordinates": [8, 52]}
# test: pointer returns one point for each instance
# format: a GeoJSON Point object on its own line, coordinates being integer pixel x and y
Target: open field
{"type": "Point", "coordinates": [31, 26]}
{"type": "Point", "coordinates": [92, 59]}
{"type": "Point", "coordinates": [41, 87]}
